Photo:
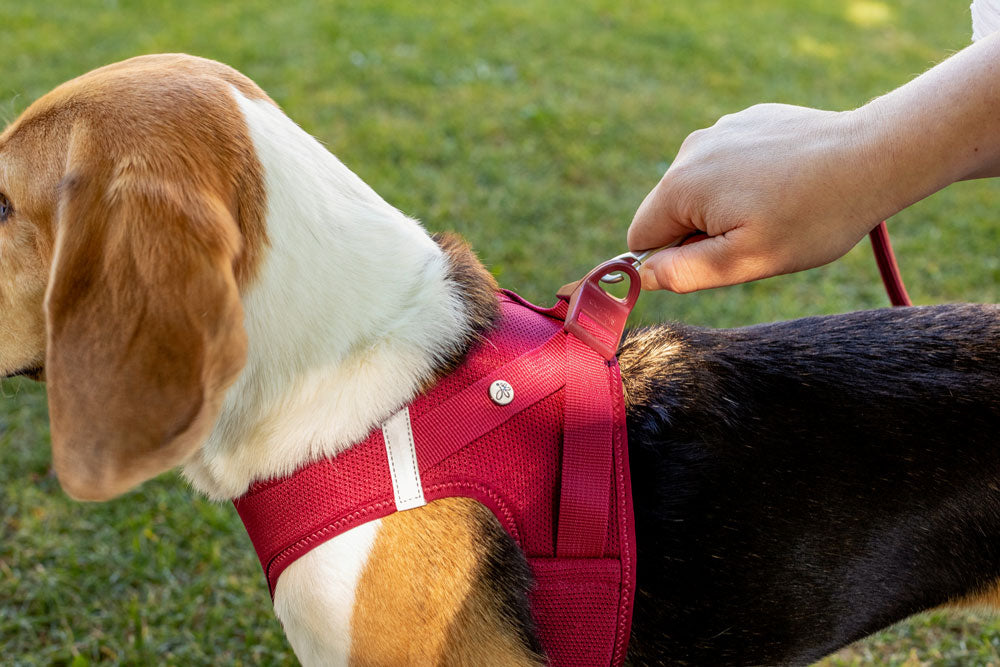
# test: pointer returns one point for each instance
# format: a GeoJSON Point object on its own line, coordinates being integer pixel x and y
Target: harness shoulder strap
{"type": "Point", "coordinates": [595, 322]}
{"type": "Point", "coordinates": [537, 374]}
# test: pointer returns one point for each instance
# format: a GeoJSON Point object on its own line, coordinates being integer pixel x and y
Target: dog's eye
{"type": "Point", "coordinates": [5, 208]}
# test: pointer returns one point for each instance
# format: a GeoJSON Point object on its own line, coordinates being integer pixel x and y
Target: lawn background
{"type": "Point", "coordinates": [532, 128]}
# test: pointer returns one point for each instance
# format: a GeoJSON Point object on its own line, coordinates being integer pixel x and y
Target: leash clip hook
{"type": "Point", "coordinates": [636, 259]}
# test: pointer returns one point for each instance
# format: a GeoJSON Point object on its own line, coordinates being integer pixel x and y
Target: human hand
{"type": "Point", "coordinates": [776, 189]}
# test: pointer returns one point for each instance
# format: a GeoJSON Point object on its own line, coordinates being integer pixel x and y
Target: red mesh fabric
{"type": "Point", "coordinates": [575, 601]}
{"type": "Point", "coordinates": [582, 606]}
{"type": "Point", "coordinates": [296, 511]}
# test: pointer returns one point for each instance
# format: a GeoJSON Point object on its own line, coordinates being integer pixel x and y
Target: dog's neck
{"type": "Point", "coordinates": [354, 309]}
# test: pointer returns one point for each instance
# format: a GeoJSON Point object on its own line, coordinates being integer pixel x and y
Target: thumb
{"type": "Point", "coordinates": [711, 261]}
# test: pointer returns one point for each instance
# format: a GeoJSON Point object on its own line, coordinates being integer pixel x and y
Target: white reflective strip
{"type": "Point", "coordinates": [398, 436]}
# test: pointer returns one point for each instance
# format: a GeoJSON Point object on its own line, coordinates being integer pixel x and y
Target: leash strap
{"type": "Point", "coordinates": [887, 266]}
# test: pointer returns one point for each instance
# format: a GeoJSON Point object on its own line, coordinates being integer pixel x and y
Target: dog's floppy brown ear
{"type": "Point", "coordinates": [144, 320]}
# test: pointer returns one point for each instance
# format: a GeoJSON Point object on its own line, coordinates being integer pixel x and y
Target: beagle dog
{"type": "Point", "coordinates": [202, 284]}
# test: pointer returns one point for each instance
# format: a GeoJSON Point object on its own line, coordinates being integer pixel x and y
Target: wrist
{"type": "Point", "coordinates": [910, 152]}
{"type": "Point", "coordinates": [880, 178]}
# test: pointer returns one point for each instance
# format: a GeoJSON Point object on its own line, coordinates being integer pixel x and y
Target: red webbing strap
{"type": "Point", "coordinates": [887, 266]}
{"type": "Point", "coordinates": [587, 454]}
{"type": "Point", "coordinates": [595, 321]}
{"type": "Point", "coordinates": [537, 374]}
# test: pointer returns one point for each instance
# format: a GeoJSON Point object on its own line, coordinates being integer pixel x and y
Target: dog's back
{"type": "Point", "coordinates": [799, 485]}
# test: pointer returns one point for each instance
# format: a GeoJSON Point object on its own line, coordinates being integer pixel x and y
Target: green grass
{"type": "Point", "coordinates": [532, 128]}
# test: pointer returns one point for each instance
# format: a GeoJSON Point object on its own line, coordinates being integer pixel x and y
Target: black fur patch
{"type": "Point", "coordinates": [507, 577]}
{"type": "Point", "coordinates": [800, 485]}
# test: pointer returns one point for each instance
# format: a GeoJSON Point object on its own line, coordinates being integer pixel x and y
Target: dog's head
{"type": "Point", "coordinates": [131, 215]}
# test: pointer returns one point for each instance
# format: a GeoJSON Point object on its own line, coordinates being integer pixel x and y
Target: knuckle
{"type": "Point", "coordinates": [726, 119]}
{"type": "Point", "coordinates": [692, 140]}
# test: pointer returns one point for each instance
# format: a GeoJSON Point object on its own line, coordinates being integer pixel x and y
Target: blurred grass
{"type": "Point", "coordinates": [532, 128]}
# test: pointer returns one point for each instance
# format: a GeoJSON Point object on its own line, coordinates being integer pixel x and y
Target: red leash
{"type": "Point", "coordinates": [887, 266]}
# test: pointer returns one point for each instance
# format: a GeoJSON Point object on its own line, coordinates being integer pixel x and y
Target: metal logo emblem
{"type": "Point", "coordinates": [501, 392]}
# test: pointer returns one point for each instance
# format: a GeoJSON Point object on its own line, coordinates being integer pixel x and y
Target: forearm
{"type": "Point", "coordinates": [942, 127]}
{"type": "Point", "coordinates": [777, 188]}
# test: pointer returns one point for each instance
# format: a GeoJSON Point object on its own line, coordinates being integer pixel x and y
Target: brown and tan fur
{"type": "Point", "coordinates": [173, 209]}
{"type": "Point", "coordinates": [444, 596]}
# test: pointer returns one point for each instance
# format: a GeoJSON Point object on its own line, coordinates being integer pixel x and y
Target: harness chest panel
{"type": "Point", "coordinates": [552, 466]}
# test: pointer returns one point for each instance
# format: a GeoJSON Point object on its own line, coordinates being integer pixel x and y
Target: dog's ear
{"type": "Point", "coordinates": [145, 325]}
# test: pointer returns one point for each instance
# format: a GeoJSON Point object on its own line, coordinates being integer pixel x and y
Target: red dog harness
{"type": "Point", "coordinates": [532, 425]}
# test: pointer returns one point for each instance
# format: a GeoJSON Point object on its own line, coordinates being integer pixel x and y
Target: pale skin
{"type": "Point", "coordinates": [780, 188]}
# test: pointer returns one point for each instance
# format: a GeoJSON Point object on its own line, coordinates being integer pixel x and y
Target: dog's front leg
{"type": "Point", "coordinates": [441, 584]}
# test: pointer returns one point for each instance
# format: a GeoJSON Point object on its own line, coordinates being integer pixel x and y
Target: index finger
{"type": "Point", "coordinates": [657, 221]}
